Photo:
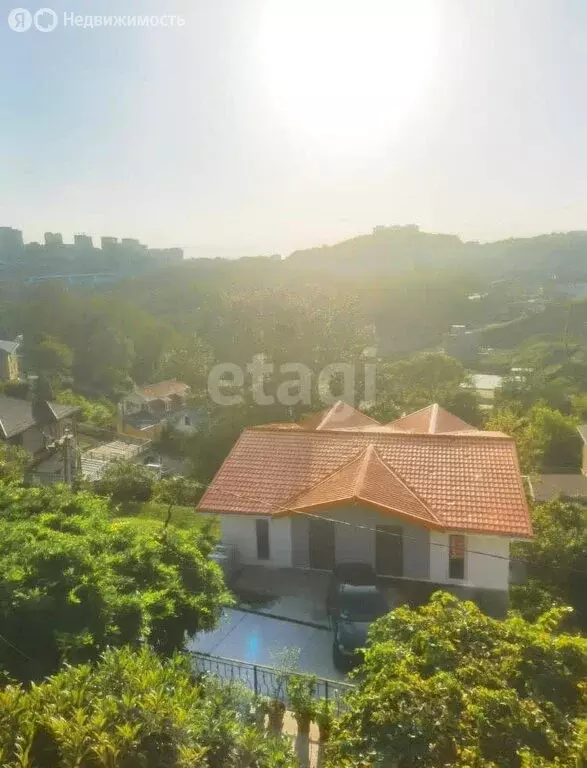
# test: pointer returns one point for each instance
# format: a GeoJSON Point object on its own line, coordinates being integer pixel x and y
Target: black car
{"type": "Point", "coordinates": [356, 574]}
{"type": "Point", "coordinates": [355, 608]}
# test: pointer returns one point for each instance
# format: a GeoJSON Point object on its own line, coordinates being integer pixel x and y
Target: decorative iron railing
{"type": "Point", "coordinates": [266, 681]}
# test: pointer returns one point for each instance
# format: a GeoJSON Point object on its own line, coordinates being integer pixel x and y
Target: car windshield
{"type": "Point", "coordinates": [362, 605]}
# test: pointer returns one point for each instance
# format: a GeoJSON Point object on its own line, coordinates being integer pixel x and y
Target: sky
{"type": "Point", "coordinates": [264, 126]}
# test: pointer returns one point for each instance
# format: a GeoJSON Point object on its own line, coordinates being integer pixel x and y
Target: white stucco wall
{"type": "Point", "coordinates": [489, 569]}
{"type": "Point", "coordinates": [132, 403]}
{"type": "Point", "coordinates": [240, 530]}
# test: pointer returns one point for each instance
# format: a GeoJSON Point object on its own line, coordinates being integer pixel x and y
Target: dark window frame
{"type": "Point", "coordinates": [262, 536]}
{"type": "Point", "coordinates": [457, 564]}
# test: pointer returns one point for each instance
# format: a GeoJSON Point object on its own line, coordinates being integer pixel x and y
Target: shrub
{"type": "Point", "coordinates": [75, 581]}
{"type": "Point", "coordinates": [125, 481]}
{"type": "Point", "coordinates": [446, 685]}
{"type": "Point", "coordinates": [131, 710]}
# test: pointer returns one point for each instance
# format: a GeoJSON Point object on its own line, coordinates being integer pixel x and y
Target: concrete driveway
{"type": "Point", "coordinates": [257, 639]}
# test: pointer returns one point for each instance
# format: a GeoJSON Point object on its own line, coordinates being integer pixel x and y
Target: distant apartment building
{"type": "Point", "coordinates": [132, 243]}
{"type": "Point", "coordinates": [11, 243]}
{"type": "Point", "coordinates": [83, 241]}
{"type": "Point", "coordinates": [80, 263]}
{"type": "Point", "coordinates": [167, 255]}
{"type": "Point", "coordinates": [53, 238]}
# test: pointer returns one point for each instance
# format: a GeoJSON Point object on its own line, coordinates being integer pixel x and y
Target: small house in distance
{"type": "Point", "coordinates": [145, 411]}
{"type": "Point", "coordinates": [36, 425]}
{"type": "Point", "coordinates": [9, 369]}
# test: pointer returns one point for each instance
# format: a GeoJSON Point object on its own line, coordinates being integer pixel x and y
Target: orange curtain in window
{"type": "Point", "coordinates": [457, 545]}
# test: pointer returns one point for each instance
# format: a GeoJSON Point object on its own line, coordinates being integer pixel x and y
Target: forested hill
{"type": "Point", "coordinates": [392, 250]}
{"type": "Point", "coordinates": [398, 289]}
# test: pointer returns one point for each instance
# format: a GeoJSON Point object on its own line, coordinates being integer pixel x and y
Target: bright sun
{"type": "Point", "coordinates": [347, 73]}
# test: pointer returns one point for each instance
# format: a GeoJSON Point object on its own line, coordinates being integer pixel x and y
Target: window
{"type": "Point", "coordinates": [456, 556]}
{"type": "Point", "coordinates": [262, 539]}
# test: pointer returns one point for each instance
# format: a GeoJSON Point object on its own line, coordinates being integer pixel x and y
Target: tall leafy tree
{"type": "Point", "coordinates": [407, 385]}
{"type": "Point", "coordinates": [446, 685]}
{"type": "Point", "coordinates": [546, 439]}
{"type": "Point", "coordinates": [76, 581]}
{"type": "Point", "coordinates": [556, 560]}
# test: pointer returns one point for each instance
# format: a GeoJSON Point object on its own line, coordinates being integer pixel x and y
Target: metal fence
{"type": "Point", "coordinates": [266, 681]}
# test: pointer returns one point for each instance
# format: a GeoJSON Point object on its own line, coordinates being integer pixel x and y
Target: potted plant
{"type": "Point", "coordinates": [324, 716]}
{"type": "Point", "coordinates": [300, 692]}
{"type": "Point", "coordinates": [259, 709]}
{"type": "Point", "coordinates": [285, 662]}
{"type": "Point", "coordinates": [276, 712]}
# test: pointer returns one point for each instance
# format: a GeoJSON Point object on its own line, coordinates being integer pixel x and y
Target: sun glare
{"type": "Point", "coordinates": [344, 73]}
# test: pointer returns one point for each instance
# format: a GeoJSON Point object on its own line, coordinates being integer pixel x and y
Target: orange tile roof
{"type": "Point", "coordinates": [338, 416]}
{"type": "Point", "coordinates": [469, 481]}
{"type": "Point", "coordinates": [432, 419]}
{"type": "Point", "coordinates": [163, 389]}
{"type": "Point", "coordinates": [365, 479]}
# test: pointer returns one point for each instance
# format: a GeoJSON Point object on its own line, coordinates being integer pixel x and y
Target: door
{"type": "Point", "coordinates": [321, 544]}
{"type": "Point", "coordinates": [389, 550]}
{"type": "Point", "coordinates": [262, 530]}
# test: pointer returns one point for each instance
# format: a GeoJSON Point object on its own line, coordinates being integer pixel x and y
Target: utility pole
{"type": "Point", "coordinates": [67, 441]}
{"type": "Point", "coordinates": [67, 444]}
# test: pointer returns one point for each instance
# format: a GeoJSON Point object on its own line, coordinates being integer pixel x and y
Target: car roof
{"type": "Point", "coordinates": [360, 572]}
{"type": "Point", "coordinates": [360, 589]}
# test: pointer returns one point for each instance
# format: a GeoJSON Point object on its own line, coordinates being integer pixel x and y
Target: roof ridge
{"type": "Point", "coordinates": [404, 415]}
{"type": "Point", "coordinates": [326, 414]}
{"type": "Point", "coordinates": [462, 434]}
{"type": "Point", "coordinates": [357, 495]}
{"type": "Point", "coordinates": [332, 474]}
{"type": "Point", "coordinates": [360, 479]}
{"type": "Point", "coordinates": [433, 418]}
{"type": "Point", "coordinates": [397, 476]}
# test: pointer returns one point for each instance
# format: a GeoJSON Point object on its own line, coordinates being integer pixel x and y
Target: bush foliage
{"type": "Point", "coordinates": [446, 685]}
{"type": "Point", "coordinates": [132, 710]}
{"type": "Point", "coordinates": [557, 562]}
{"type": "Point", "coordinates": [74, 581]}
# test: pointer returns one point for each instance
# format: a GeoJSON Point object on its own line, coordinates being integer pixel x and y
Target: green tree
{"type": "Point", "coordinates": [189, 361]}
{"type": "Point", "coordinates": [13, 462]}
{"type": "Point", "coordinates": [427, 378]}
{"type": "Point", "coordinates": [546, 439]}
{"type": "Point", "coordinates": [75, 581]}
{"type": "Point", "coordinates": [126, 481]}
{"type": "Point", "coordinates": [51, 358]}
{"type": "Point", "coordinates": [178, 490]}
{"type": "Point", "coordinates": [103, 362]}
{"type": "Point", "coordinates": [445, 685]}
{"type": "Point", "coordinates": [133, 709]}
{"type": "Point", "coordinates": [100, 413]}
{"type": "Point", "coordinates": [557, 561]}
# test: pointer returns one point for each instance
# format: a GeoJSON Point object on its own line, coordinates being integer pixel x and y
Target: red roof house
{"type": "Point", "coordinates": [426, 497]}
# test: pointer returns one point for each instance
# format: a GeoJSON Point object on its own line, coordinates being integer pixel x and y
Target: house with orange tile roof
{"type": "Point", "coordinates": [144, 411]}
{"type": "Point", "coordinates": [426, 497]}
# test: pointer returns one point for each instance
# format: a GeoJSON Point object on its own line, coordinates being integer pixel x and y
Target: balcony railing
{"type": "Point", "coordinates": [267, 681]}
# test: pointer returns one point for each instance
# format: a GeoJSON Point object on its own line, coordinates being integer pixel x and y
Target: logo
{"type": "Point", "coordinates": [45, 20]}
{"type": "Point", "coordinates": [21, 20]}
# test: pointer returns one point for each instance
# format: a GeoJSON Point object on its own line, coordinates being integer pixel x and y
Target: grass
{"type": "Point", "coordinates": [182, 517]}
